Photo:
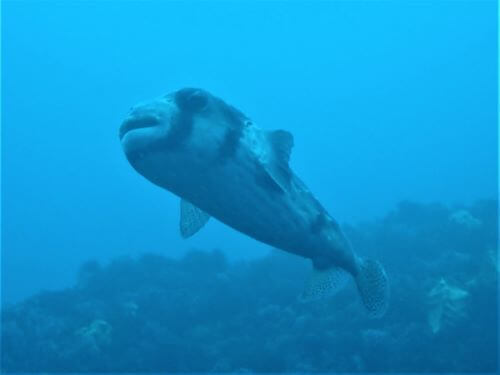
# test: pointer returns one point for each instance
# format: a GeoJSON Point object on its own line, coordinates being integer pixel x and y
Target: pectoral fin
{"type": "Point", "coordinates": [276, 161]}
{"type": "Point", "coordinates": [192, 219]}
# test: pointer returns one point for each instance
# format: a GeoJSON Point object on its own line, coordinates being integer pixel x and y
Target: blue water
{"type": "Point", "coordinates": [387, 101]}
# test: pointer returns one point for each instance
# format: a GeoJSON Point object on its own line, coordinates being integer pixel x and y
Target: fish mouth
{"type": "Point", "coordinates": [132, 123]}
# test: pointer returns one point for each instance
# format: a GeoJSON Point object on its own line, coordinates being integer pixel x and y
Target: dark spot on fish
{"type": "Point", "coordinates": [334, 224]}
{"type": "Point", "coordinates": [322, 221]}
{"type": "Point", "coordinates": [318, 223]}
{"type": "Point", "coordinates": [230, 144]}
{"type": "Point", "coordinates": [234, 117]}
{"type": "Point", "coordinates": [196, 101]}
{"type": "Point", "coordinates": [182, 127]}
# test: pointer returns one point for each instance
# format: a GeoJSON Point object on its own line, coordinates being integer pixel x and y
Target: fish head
{"type": "Point", "coordinates": [182, 131]}
{"type": "Point", "coordinates": [146, 124]}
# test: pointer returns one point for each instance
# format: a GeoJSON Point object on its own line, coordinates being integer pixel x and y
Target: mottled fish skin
{"type": "Point", "coordinates": [210, 154]}
{"type": "Point", "coordinates": [220, 164]}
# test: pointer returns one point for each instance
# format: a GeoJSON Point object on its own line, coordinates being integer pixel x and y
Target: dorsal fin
{"type": "Point", "coordinates": [192, 219]}
{"type": "Point", "coordinates": [281, 143]}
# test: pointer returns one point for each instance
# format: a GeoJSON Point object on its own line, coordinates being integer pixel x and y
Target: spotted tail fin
{"type": "Point", "coordinates": [373, 286]}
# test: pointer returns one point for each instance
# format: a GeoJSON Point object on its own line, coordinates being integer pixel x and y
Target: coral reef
{"type": "Point", "coordinates": [96, 335]}
{"type": "Point", "coordinates": [463, 217]}
{"type": "Point", "coordinates": [447, 305]}
{"type": "Point", "coordinates": [202, 313]}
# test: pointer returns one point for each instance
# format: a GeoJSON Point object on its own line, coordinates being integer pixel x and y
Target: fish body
{"type": "Point", "coordinates": [221, 165]}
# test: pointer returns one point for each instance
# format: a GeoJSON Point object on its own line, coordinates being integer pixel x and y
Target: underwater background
{"type": "Point", "coordinates": [393, 107]}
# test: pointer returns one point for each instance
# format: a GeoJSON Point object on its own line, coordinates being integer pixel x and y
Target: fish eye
{"type": "Point", "coordinates": [197, 101]}
{"type": "Point", "coordinates": [192, 100]}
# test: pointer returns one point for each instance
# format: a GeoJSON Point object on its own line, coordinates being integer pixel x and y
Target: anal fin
{"type": "Point", "coordinates": [192, 219]}
{"type": "Point", "coordinates": [324, 283]}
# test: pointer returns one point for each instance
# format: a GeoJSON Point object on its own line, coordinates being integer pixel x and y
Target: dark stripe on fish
{"type": "Point", "coordinates": [236, 121]}
{"type": "Point", "coordinates": [182, 127]}
{"type": "Point", "coordinates": [234, 117]}
{"type": "Point", "coordinates": [318, 223]}
{"type": "Point", "coordinates": [230, 144]}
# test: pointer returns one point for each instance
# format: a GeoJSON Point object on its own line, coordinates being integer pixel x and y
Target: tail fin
{"type": "Point", "coordinates": [373, 287]}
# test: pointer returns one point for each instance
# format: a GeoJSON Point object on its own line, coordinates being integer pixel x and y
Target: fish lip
{"type": "Point", "coordinates": [138, 122]}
